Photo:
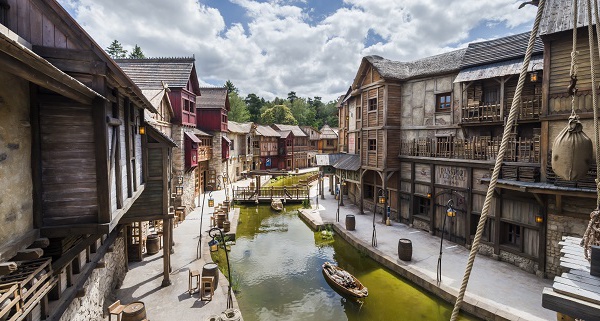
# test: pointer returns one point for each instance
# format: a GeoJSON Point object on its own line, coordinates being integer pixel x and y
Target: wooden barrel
{"type": "Point", "coordinates": [405, 249]}
{"type": "Point", "coordinates": [226, 226]}
{"type": "Point", "coordinates": [350, 222]}
{"type": "Point", "coordinates": [211, 269]}
{"type": "Point", "coordinates": [220, 219]}
{"type": "Point", "coordinates": [135, 311]}
{"type": "Point", "coordinates": [231, 315]}
{"type": "Point", "coordinates": [152, 244]}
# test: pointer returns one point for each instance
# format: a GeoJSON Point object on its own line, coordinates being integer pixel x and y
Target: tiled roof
{"type": "Point", "coordinates": [558, 16]}
{"type": "Point", "coordinates": [498, 69]}
{"type": "Point", "coordinates": [349, 162]}
{"type": "Point", "coordinates": [212, 97]}
{"type": "Point", "coordinates": [148, 73]}
{"type": "Point", "coordinates": [506, 48]}
{"type": "Point", "coordinates": [328, 133]}
{"type": "Point", "coordinates": [266, 131]}
{"type": "Point", "coordinates": [293, 128]}
{"type": "Point", "coordinates": [162, 135]}
{"type": "Point", "coordinates": [239, 128]}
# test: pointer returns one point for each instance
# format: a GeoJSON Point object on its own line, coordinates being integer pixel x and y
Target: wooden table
{"type": "Point", "coordinates": [575, 293]}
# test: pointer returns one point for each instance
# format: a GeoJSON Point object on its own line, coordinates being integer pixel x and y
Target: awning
{"type": "Point", "coordinates": [193, 137]}
{"type": "Point", "coordinates": [227, 139]}
{"type": "Point", "coordinates": [349, 162]}
{"type": "Point", "coordinates": [499, 69]}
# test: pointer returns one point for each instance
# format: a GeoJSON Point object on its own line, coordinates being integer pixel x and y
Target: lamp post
{"type": "Point", "coordinates": [321, 187]}
{"type": "Point", "coordinates": [342, 184]}
{"type": "Point", "coordinates": [450, 212]}
{"type": "Point", "coordinates": [214, 247]}
{"type": "Point", "coordinates": [380, 200]}
{"type": "Point", "coordinates": [211, 203]}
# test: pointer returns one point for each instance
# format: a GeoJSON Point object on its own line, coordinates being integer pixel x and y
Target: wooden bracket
{"type": "Point", "coordinates": [28, 254]}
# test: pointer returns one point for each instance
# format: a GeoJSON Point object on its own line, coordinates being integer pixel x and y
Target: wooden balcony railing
{"type": "Point", "coordinates": [204, 153]}
{"type": "Point", "coordinates": [526, 150]}
{"type": "Point", "coordinates": [529, 109]}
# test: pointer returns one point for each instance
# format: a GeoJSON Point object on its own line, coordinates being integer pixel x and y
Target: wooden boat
{"type": "Point", "coordinates": [344, 282]}
{"type": "Point", "coordinates": [276, 204]}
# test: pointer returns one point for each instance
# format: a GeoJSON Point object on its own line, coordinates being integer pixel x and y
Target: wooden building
{"type": "Point", "coordinates": [241, 136]}
{"type": "Point", "coordinates": [212, 109]}
{"type": "Point", "coordinates": [265, 148]}
{"type": "Point", "coordinates": [328, 140]}
{"type": "Point", "coordinates": [178, 79]}
{"type": "Point", "coordinates": [74, 163]}
{"type": "Point", "coordinates": [293, 148]}
{"type": "Point", "coordinates": [313, 144]}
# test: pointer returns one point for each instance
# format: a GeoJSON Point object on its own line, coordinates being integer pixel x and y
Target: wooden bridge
{"type": "Point", "coordinates": [297, 194]}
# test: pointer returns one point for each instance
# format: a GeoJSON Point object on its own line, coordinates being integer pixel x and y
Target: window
{"type": "Point", "coordinates": [422, 206]}
{"type": "Point", "coordinates": [255, 144]}
{"type": "Point", "coordinates": [491, 96]}
{"type": "Point", "coordinates": [232, 144]}
{"type": "Point", "coordinates": [513, 234]}
{"type": "Point", "coordinates": [288, 143]}
{"type": "Point", "coordinates": [358, 146]}
{"type": "Point", "coordinates": [358, 113]}
{"type": "Point", "coordinates": [372, 145]}
{"type": "Point", "coordinates": [289, 163]}
{"type": "Point", "coordinates": [443, 102]}
{"type": "Point", "coordinates": [372, 104]}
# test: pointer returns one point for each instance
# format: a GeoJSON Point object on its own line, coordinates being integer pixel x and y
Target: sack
{"type": "Point", "coordinates": [572, 152]}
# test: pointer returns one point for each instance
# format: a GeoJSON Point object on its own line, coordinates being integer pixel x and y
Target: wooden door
{"type": "Point", "coordinates": [454, 229]}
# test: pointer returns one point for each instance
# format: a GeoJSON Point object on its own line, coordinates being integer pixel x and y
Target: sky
{"type": "Point", "coordinates": [311, 47]}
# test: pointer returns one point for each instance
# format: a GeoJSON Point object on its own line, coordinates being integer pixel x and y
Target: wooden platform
{"type": "Point", "coordinates": [266, 194]}
{"type": "Point", "coordinates": [575, 292]}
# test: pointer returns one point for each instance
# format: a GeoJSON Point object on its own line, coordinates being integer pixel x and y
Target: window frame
{"type": "Point", "coordinates": [447, 104]}
{"type": "Point", "coordinates": [421, 203]}
{"type": "Point", "coordinates": [372, 145]}
{"type": "Point", "coordinates": [358, 112]}
{"type": "Point", "coordinates": [370, 104]}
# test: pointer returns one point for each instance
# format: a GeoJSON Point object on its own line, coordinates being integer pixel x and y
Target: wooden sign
{"type": "Point", "coordinates": [451, 176]}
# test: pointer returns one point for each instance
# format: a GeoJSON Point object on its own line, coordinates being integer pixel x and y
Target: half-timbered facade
{"type": "Point", "coordinates": [313, 144]}
{"type": "Point", "coordinates": [241, 136]}
{"type": "Point", "coordinates": [293, 146]}
{"type": "Point", "coordinates": [73, 162]}
{"type": "Point", "coordinates": [328, 140]}
{"type": "Point", "coordinates": [265, 146]}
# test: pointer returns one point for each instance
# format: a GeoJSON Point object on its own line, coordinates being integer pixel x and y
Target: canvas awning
{"type": "Point", "coordinates": [227, 139]}
{"type": "Point", "coordinates": [499, 69]}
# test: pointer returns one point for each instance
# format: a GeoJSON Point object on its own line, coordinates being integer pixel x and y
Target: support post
{"type": "Point", "coordinates": [166, 252]}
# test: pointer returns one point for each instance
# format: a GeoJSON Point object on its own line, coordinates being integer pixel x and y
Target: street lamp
{"type": "Point", "coordinates": [380, 200]}
{"type": "Point", "coordinates": [450, 212]}
{"type": "Point", "coordinates": [342, 184]}
{"type": "Point", "coordinates": [321, 187]}
{"type": "Point", "coordinates": [214, 247]}
{"type": "Point", "coordinates": [211, 203]}
{"type": "Point", "coordinates": [340, 201]}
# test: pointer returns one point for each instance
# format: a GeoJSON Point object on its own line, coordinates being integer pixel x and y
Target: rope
{"type": "Point", "coordinates": [592, 234]}
{"type": "Point", "coordinates": [594, 96]}
{"type": "Point", "coordinates": [500, 158]}
{"type": "Point", "coordinates": [573, 70]}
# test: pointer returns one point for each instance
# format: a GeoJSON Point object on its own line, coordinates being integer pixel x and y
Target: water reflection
{"type": "Point", "coordinates": [277, 262]}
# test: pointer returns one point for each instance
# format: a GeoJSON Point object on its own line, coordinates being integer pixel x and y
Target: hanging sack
{"type": "Point", "coordinates": [572, 152]}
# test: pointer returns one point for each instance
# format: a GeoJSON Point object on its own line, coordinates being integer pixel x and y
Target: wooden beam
{"type": "Point", "coordinates": [10, 249]}
{"type": "Point", "coordinates": [71, 253]}
{"type": "Point", "coordinates": [7, 267]}
{"type": "Point", "coordinates": [101, 153]}
{"type": "Point", "coordinates": [28, 254]}
{"type": "Point", "coordinates": [115, 122]}
{"type": "Point", "coordinates": [36, 156]}
{"type": "Point", "coordinates": [42, 242]}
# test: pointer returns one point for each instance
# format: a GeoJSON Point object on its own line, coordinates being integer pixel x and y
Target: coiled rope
{"type": "Point", "coordinates": [500, 158]}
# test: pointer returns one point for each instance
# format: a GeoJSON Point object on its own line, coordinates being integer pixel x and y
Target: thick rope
{"type": "Point", "coordinates": [573, 72]}
{"type": "Point", "coordinates": [592, 234]}
{"type": "Point", "coordinates": [594, 96]}
{"type": "Point", "coordinates": [500, 158]}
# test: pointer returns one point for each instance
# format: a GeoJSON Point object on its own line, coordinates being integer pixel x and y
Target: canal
{"type": "Point", "coordinates": [276, 270]}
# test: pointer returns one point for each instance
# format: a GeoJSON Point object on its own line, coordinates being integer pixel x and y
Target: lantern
{"type": "Point", "coordinates": [213, 245]}
{"type": "Point", "coordinates": [451, 212]}
{"type": "Point", "coordinates": [179, 190]}
{"type": "Point", "coordinates": [539, 219]}
{"type": "Point", "coordinates": [381, 199]}
{"type": "Point", "coordinates": [142, 130]}
{"type": "Point", "coordinates": [211, 202]}
{"type": "Point", "coordinates": [533, 77]}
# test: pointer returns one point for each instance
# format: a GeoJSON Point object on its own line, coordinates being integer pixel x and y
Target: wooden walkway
{"type": "Point", "coordinates": [267, 194]}
{"type": "Point", "coordinates": [575, 293]}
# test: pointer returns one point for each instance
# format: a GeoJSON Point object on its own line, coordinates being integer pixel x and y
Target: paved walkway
{"type": "Point", "coordinates": [497, 287]}
{"type": "Point", "coordinates": [143, 281]}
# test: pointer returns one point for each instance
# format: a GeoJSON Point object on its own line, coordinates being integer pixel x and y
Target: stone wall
{"type": "Point", "coordinates": [16, 200]}
{"type": "Point", "coordinates": [559, 226]}
{"type": "Point", "coordinates": [189, 185]}
{"type": "Point", "coordinates": [99, 287]}
{"type": "Point", "coordinates": [523, 263]}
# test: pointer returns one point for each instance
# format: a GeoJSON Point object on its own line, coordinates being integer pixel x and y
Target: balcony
{"type": "Point", "coordinates": [204, 153]}
{"type": "Point", "coordinates": [477, 112]}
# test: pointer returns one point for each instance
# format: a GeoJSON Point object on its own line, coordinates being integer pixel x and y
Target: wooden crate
{"type": "Point", "coordinates": [11, 294]}
{"type": "Point", "coordinates": [510, 173]}
{"type": "Point", "coordinates": [34, 280]}
{"type": "Point", "coordinates": [529, 174]}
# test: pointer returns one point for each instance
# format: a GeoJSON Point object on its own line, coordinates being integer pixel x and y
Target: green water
{"type": "Point", "coordinates": [276, 266]}
{"type": "Point", "coordinates": [290, 180]}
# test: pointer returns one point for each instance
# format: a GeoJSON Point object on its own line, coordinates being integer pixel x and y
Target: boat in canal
{"type": "Point", "coordinates": [276, 204]}
{"type": "Point", "coordinates": [344, 282]}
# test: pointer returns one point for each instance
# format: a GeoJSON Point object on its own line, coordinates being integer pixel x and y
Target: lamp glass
{"type": "Point", "coordinates": [142, 130]}
{"type": "Point", "coordinates": [381, 199]}
{"type": "Point", "coordinates": [428, 195]}
{"type": "Point", "coordinates": [533, 77]}
{"type": "Point", "coordinates": [179, 190]}
{"type": "Point", "coordinates": [211, 202]}
{"type": "Point", "coordinates": [451, 212]}
{"type": "Point", "coordinates": [214, 245]}
{"type": "Point", "coordinates": [539, 219]}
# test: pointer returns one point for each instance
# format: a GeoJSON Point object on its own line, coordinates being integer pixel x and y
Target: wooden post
{"type": "Point", "coordinates": [166, 252]}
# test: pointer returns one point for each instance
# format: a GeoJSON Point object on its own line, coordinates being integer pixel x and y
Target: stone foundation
{"type": "Point", "coordinates": [99, 286]}
{"type": "Point", "coordinates": [421, 224]}
{"type": "Point", "coordinates": [559, 226]}
{"type": "Point", "coordinates": [523, 263]}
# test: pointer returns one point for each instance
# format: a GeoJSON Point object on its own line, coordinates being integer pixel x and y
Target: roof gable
{"type": "Point", "coordinates": [558, 16]}
{"type": "Point", "coordinates": [213, 97]}
{"type": "Point", "coordinates": [151, 73]}
{"type": "Point", "coordinates": [506, 48]}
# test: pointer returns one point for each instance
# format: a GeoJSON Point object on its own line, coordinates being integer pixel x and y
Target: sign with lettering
{"type": "Point", "coordinates": [451, 176]}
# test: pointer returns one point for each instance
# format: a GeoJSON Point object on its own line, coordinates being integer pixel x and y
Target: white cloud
{"type": "Point", "coordinates": [281, 48]}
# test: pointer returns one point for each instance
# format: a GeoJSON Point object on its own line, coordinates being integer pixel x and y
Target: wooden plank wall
{"type": "Point", "coordinates": [68, 162]}
{"type": "Point", "coordinates": [150, 203]}
{"type": "Point", "coordinates": [394, 104]}
{"type": "Point", "coordinates": [36, 23]}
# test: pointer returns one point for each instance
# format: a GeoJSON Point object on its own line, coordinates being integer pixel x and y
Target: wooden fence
{"type": "Point", "coordinates": [246, 194]}
{"type": "Point", "coordinates": [529, 109]}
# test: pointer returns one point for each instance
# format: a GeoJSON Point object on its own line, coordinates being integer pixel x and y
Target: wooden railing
{"type": "Point", "coordinates": [529, 109]}
{"type": "Point", "coordinates": [520, 149]}
{"type": "Point", "coordinates": [204, 153]}
{"type": "Point", "coordinates": [298, 193]}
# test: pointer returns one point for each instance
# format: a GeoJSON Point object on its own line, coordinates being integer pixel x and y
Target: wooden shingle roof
{"type": "Point", "coordinates": [239, 128]}
{"type": "Point", "coordinates": [558, 16]}
{"type": "Point", "coordinates": [506, 48]}
{"type": "Point", "coordinates": [291, 128]}
{"type": "Point", "coordinates": [213, 97]}
{"type": "Point", "coordinates": [328, 133]}
{"type": "Point", "coordinates": [262, 130]}
{"type": "Point", "coordinates": [149, 73]}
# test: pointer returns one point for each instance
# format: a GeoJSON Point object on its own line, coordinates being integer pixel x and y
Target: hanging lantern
{"type": "Point", "coordinates": [572, 151]}
{"type": "Point", "coordinates": [533, 76]}
{"type": "Point", "coordinates": [179, 190]}
{"type": "Point", "coordinates": [213, 245]}
{"type": "Point", "coordinates": [451, 212]}
{"type": "Point", "coordinates": [142, 130]}
{"type": "Point", "coordinates": [211, 202]}
{"type": "Point", "coordinates": [381, 199]}
{"type": "Point", "coordinates": [539, 219]}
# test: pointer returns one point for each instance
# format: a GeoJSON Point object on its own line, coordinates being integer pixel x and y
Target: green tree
{"type": "Point", "coordinates": [231, 88]}
{"type": "Point", "coordinates": [292, 96]}
{"type": "Point", "coordinates": [239, 110]}
{"type": "Point", "coordinates": [136, 53]}
{"type": "Point", "coordinates": [254, 105]}
{"type": "Point", "coordinates": [116, 51]}
{"type": "Point", "coordinates": [278, 114]}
